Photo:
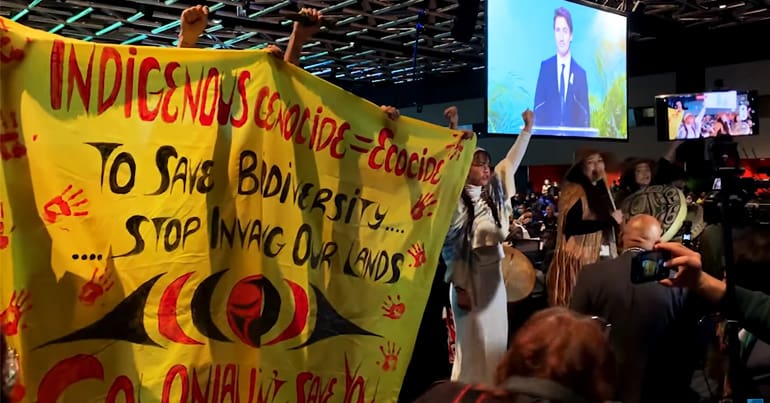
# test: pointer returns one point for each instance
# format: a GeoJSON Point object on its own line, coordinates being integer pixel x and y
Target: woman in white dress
{"type": "Point", "coordinates": [473, 252]}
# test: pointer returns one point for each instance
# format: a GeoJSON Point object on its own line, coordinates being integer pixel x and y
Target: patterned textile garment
{"type": "Point", "coordinates": [579, 250]}
{"type": "Point", "coordinates": [451, 335]}
{"type": "Point", "coordinates": [473, 252]}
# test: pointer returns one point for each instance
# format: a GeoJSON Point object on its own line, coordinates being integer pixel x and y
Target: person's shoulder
{"type": "Point", "coordinates": [576, 67]}
{"type": "Point", "coordinates": [609, 267]}
{"type": "Point", "coordinates": [598, 269]}
{"type": "Point", "coordinates": [550, 60]}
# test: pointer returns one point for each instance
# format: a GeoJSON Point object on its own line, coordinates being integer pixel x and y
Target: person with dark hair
{"type": "Point", "coordinates": [638, 173]}
{"type": "Point", "coordinates": [561, 95]}
{"type": "Point", "coordinates": [558, 356]}
{"type": "Point", "coordinates": [587, 224]}
{"type": "Point", "coordinates": [473, 252]}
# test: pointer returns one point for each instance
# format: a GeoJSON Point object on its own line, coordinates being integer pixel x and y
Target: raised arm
{"type": "Point", "coordinates": [301, 33]}
{"type": "Point", "coordinates": [506, 169]}
{"type": "Point", "coordinates": [699, 121]}
{"type": "Point", "coordinates": [452, 116]}
{"type": "Point", "coordinates": [750, 308]}
{"type": "Point", "coordinates": [192, 23]}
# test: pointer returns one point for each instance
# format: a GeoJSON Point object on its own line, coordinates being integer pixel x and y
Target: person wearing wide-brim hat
{"type": "Point", "coordinates": [587, 223]}
{"type": "Point", "coordinates": [473, 251]}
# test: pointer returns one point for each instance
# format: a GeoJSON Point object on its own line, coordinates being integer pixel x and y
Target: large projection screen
{"type": "Point", "coordinates": [565, 61]}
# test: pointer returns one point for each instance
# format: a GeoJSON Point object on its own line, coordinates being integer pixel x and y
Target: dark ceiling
{"type": "Point", "coordinates": [373, 40]}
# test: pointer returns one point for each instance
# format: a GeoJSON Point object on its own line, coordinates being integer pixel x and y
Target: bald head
{"type": "Point", "coordinates": [641, 231]}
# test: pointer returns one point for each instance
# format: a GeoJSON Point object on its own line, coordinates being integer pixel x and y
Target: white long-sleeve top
{"type": "Point", "coordinates": [485, 231]}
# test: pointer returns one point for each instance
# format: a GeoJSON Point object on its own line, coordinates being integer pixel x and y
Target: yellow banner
{"type": "Point", "coordinates": [210, 226]}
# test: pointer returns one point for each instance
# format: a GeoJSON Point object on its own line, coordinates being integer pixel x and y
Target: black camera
{"type": "Point", "coordinates": [649, 266]}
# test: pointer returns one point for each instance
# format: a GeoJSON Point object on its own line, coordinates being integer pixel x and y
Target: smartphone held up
{"type": "Point", "coordinates": [649, 266]}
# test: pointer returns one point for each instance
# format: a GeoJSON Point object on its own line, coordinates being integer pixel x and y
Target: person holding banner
{"type": "Point", "coordinates": [473, 251]}
{"type": "Point", "coordinates": [195, 19]}
{"type": "Point", "coordinates": [557, 356]}
{"type": "Point", "coordinates": [587, 224]}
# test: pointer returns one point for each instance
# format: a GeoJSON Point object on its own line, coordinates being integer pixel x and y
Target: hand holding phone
{"type": "Point", "coordinates": [648, 266]}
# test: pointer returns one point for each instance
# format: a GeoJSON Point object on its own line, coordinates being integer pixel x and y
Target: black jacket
{"type": "Point", "coordinates": [650, 324]}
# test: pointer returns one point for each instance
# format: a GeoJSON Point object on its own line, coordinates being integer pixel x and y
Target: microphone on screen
{"type": "Point", "coordinates": [326, 21]}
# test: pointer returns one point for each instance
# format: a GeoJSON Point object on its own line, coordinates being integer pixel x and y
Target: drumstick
{"type": "Point", "coordinates": [612, 199]}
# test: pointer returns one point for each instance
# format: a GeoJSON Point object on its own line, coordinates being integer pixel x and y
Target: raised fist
{"type": "Point", "coordinates": [392, 113]}
{"type": "Point", "coordinates": [305, 31]}
{"type": "Point", "coordinates": [529, 118]}
{"type": "Point", "coordinates": [452, 116]}
{"type": "Point", "coordinates": [193, 21]}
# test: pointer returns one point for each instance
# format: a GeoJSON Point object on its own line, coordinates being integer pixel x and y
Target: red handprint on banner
{"type": "Point", "coordinates": [10, 317]}
{"type": "Point", "coordinates": [65, 206]}
{"type": "Point", "coordinates": [418, 254]}
{"type": "Point", "coordinates": [390, 357]}
{"type": "Point", "coordinates": [423, 203]}
{"type": "Point", "coordinates": [393, 309]}
{"type": "Point", "coordinates": [456, 148]}
{"type": "Point", "coordinates": [96, 287]}
{"type": "Point", "coordinates": [5, 238]}
{"type": "Point", "coordinates": [9, 53]}
{"type": "Point", "coordinates": [10, 145]}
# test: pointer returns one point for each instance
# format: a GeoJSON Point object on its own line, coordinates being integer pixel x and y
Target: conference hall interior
{"type": "Point", "coordinates": [611, 242]}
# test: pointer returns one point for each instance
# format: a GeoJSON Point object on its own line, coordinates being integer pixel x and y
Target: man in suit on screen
{"type": "Point", "coordinates": [561, 97]}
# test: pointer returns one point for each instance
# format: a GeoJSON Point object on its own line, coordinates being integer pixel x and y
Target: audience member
{"type": "Point", "coordinates": [649, 322]}
{"type": "Point", "coordinates": [558, 356]}
{"type": "Point", "coordinates": [587, 222]}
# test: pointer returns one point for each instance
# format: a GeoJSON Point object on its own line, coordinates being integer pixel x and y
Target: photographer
{"type": "Point", "coordinates": [747, 303]}
{"type": "Point", "coordinates": [750, 308]}
{"type": "Point", "coordinates": [650, 323]}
